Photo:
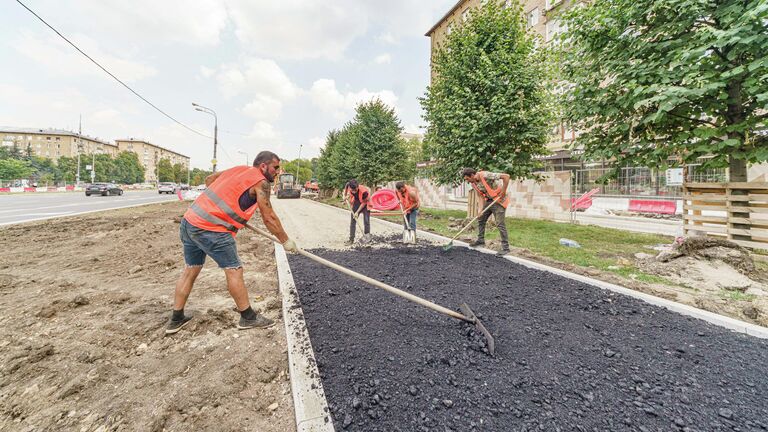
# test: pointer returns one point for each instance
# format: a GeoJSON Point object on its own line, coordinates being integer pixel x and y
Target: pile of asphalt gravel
{"type": "Point", "coordinates": [569, 356]}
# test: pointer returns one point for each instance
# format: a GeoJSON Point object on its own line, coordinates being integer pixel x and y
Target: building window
{"type": "Point", "coordinates": [58, 138]}
{"type": "Point", "coordinates": [533, 17]}
{"type": "Point", "coordinates": [465, 15]}
{"type": "Point", "coordinates": [554, 28]}
{"type": "Point", "coordinates": [47, 138]}
{"type": "Point", "coordinates": [449, 29]}
{"type": "Point", "coordinates": [549, 4]}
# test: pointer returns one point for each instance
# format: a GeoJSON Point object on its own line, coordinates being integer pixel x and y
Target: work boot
{"type": "Point", "coordinates": [502, 252]}
{"type": "Point", "coordinates": [477, 243]}
{"type": "Point", "coordinates": [349, 242]}
{"type": "Point", "coordinates": [260, 321]}
{"type": "Point", "coordinates": [176, 325]}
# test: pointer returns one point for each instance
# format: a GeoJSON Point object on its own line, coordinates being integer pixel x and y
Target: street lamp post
{"type": "Point", "coordinates": [247, 159]}
{"type": "Point", "coordinates": [215, 129]}
{"type": "Point", "coordinates": [298, 164]}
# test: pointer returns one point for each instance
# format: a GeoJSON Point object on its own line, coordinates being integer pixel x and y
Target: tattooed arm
{"type": "Point", "coordinates": [268, 215]}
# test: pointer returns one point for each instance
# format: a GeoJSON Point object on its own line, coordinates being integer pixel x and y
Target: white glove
{"type": "Point", "coordinates": [290, 246]}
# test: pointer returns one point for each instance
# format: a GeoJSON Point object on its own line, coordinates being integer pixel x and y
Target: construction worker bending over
{"type": "Point", "coordinates": [490, 186]}
{"type": "Point", "coordinates": [359, 198]}
{"type": "Point", "coordinates": [409, 198]}
{"type": "Point", "coordinates": [209, 227]}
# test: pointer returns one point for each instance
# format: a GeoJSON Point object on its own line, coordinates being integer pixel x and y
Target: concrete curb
{"type": "Point", "coordinates": [309, 402]}
{"type": "Point", "coordinates": [710, 317]}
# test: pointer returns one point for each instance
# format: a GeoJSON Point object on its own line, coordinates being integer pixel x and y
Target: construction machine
{"type": "Point", "coordinates": [287, 187]}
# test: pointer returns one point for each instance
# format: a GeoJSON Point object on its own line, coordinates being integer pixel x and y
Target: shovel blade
{"type": "Point", "coordinates": [490, 342]}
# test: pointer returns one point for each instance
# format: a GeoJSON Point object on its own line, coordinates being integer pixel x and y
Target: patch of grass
{"type": "Point", "coordinates": [737, 296]}
{"type": "Point", "coordinates": [601, 248]}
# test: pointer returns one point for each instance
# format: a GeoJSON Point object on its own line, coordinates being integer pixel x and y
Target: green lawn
{"type": "Point", "coordinates": [601, 248]}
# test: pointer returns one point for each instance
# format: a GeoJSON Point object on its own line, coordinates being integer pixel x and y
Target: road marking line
{"type": "Point", "coordinates": [80, 213]}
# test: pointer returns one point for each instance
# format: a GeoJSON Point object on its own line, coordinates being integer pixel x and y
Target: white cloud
{"type": "Point", "coordinates": [328, 98]}
{"type": "Point", "coordinates": [386, 38]}
{"type": "Point", "coordinates": [383, 59]}
{"type": "Point", "coordinates": [60, 58]}
{"type": "Point", "coordinates": [207, 72]}
{"type": "Point", "coordinates": [298, 29]}
{"type": "Point", "coordinates": [264, 108]}
{"type": "Point", "coordinates": [414, 129]}
{"type": "Point", "coordinates": [263, 131]}
{"type": "Point", "coordinates": [316, 143]}
{"type": "Point", "coordinates": [189, 22]}
{"type": "Point", "coordinates": [256, 76]}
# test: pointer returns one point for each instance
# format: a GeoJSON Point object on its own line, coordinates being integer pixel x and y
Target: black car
{"type": "Point", "coordinates": [104, 189]}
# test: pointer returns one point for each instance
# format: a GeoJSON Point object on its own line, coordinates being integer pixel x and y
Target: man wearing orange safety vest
{"type": "Point", "coordinates": [409, 199]}
{"type": "Point", "coordinates": [360, 200]}
{"type": "Point", "coordinates": [209, 227]}
{"type": "Point", "coordinates": [490, 186]}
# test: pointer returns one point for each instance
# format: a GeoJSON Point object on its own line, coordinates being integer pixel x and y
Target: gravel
{"type": "Point", "coordinates": [569, 356]}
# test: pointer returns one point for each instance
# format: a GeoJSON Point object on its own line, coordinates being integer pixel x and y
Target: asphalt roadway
{"type": "Point", "coordinates": [27, 207]}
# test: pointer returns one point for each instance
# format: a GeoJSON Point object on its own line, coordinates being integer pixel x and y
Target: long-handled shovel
{"type": "Point", "coordinates": [409, 236]}
{"type": "Point", "coordinates": [467, 316]}
{"type": "Point", "coordinates": [448, 246]}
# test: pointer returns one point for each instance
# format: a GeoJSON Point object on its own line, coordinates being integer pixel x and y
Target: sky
{"type": "Point", "coordinates": [279, 74]}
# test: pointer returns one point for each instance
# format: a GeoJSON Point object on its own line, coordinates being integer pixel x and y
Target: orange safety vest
{"type": "Point", "coordinates": [218, 208]}
{"type": "Point", "coordinates": [492, 193]}
{"type": "Point", "coordinates": [405, 198]}
{"type": "Point", "coordinates": [360, 190]}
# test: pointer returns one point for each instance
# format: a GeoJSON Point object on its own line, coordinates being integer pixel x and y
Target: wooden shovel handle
{"type": "Point", "coordinates": [374, 282]}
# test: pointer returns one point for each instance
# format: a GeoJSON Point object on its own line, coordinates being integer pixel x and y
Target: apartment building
{"type": "Point", "coordinates": [54, 143]}
{"type": "Point", "coordinates": [150, 155]}
{"type": "Point", "coordinates": [542, 20]}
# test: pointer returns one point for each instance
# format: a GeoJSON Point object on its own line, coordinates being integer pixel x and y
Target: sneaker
{"type": "Point", "coordinates": [502, 252]}
{"type": "Point", "coordinates": [175, 326]}
{"type": "Point", "coordinates": [349, 242]}
{"type": "Point", "coordinates": [477, 243]}
{"type": "Point", "coordinates": [258, 322]}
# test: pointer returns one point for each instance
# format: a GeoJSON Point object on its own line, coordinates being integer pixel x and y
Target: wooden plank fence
{"type": "Point", "coordinates": [735, 211]}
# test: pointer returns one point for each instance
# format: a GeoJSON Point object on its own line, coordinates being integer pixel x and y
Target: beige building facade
{"type": "Point", "coordinates": [150, 155]}
{"type": "Point", "coordinates": [54, 143]}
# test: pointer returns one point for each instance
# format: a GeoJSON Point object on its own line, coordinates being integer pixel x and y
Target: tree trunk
{"type": "Point", "coordinates": [737, 170]}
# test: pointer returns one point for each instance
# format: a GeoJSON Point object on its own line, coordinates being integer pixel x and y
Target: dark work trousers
{"type": "Point", "coordinates": [365, 214]}
{"type": "Point", "coordinates": [499, 213]}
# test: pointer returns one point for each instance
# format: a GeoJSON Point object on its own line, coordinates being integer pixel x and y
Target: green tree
{"type": "Point", "coordinates": [165, 170]}
{"type": "Point", "coordinates": [105, 168]}
{"type": "Point", "coordinates": [305, 169]}
{"type": "Point", "coordinates": [197, 176]}
{"type": "Point", "coordinates": [13, 169]}
{"type": "Point", "coordinates": [488, 105]}
{"type": "Point", "coordinates": [127, 168]}
{"type": "Point", "coordinates": [656, 82]}
{"type": "Point", "coordinates": [179, 173]}
{"type": "Point", "coordinates": [325, 171]}
{"type": "Point", "coordinates": [345, 157]}
{"type": "Point", "coordinates": [67, 168]}
{"type": "Point", "coordinates": [383, 155]}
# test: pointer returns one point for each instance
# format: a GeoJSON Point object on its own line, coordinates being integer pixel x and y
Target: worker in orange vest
{"type": "Point", "coordinates": [490, 186]}
{"type": "Point", "coordinates": [360, 200]}
{"type": "Point", "coordinates": [209, 227]}
{"type": "Point", "coordinates": [409, 199]}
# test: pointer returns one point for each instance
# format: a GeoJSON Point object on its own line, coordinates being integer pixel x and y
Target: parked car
{"type": "Point", "coordinates": [184, 186]}
{"type": "Point", "coordinates": [200, 187]}
{"type": "Point", "coordinates": [165, 187]}
{"type": "Point", "coordinates": [104, 189]}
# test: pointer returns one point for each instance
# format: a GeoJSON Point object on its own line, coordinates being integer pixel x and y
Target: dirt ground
{"type": "Point", "coordinates": [84, 304]}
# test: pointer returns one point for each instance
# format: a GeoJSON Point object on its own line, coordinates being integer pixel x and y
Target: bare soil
{"type": "Point", "coordinates": [84, 304]}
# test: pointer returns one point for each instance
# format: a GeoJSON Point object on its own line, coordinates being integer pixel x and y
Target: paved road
{"type": "Point", "coordinates": [37, 206]}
